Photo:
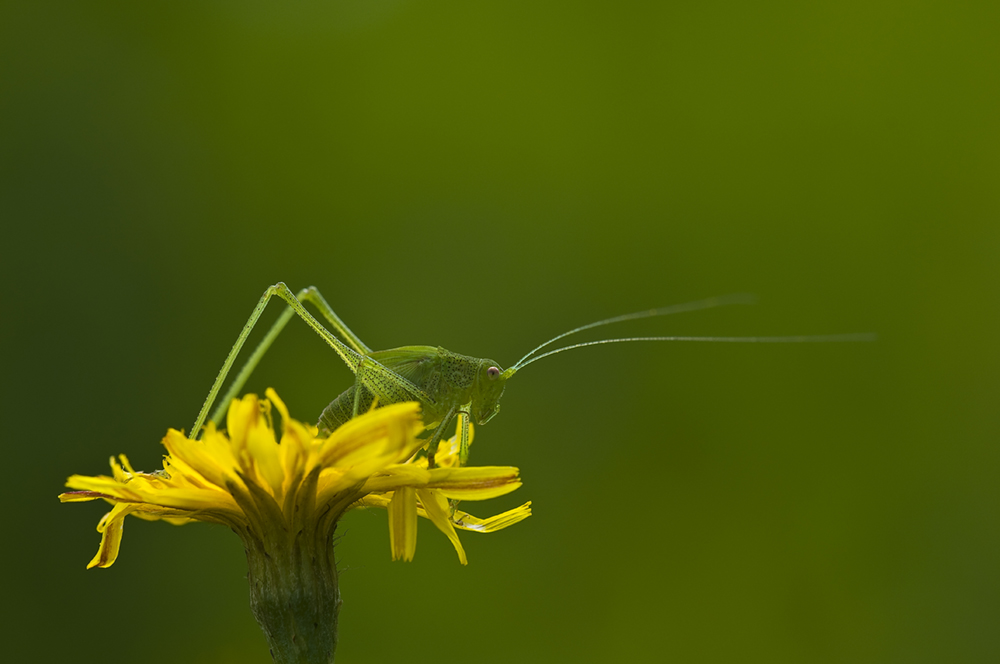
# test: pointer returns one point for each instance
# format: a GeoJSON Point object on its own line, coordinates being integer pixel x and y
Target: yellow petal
{"type": "Point", "coordinates": [110, 528]}
{"type": "Point", "coordinates": [211, 457]}
{"type": "Point", "coordinates": [151, 490]}
{"type": "Point", "coordinates": [117, 472]}
{"type": "Point", "coordinates": [241, 416]}
{"type": "Point", "coordinates": [403, 524]}
{"type": "Point", "coordinates": [279, 404]}
{"type": "Point", "coordinates": [182, 474]}
{"type": "Point", "coordinates": [374, 440]}
{"type": "Point", "coordinates": [397, 476]}
{"type": "Point", "coordinates": [375, 500]}
{"type": "Point", "coordinates": [331, 482]}
{"type": "Point", "coordinates": [192, 500]}
{"type": "Point", "coordinates": [293, 449]}
{"type": "Point", "coordinates": [177, 521]}
{"type": "Point", "coordinates": [494, 523]}
{"type": "Point", "coordinates": [296, 440]}
{"type": "Point", "coordinates": [104, 485]}
{"type": "Point", "coordinates": [474, 482]}
{"type": "Point", "coordinates": [265, 455]}
{"type": "Point", "coordinates": [449, 451]}
{"type": "Point", "coordinates": [436, 507]}
{"type": "Point", "coordinates": [128, 467]}
{"type": "Point", "coordinates": [80, 496]}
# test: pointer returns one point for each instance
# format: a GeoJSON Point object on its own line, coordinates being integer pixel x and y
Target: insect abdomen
{"type": "Point", "coordinates": [341, 409]}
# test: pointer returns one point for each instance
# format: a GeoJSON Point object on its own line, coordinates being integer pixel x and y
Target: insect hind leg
{"type": "Point", "coordinates": [435, 440]}
{"type": "Point", "coordinates": [310, 294]}
{"type": "Point", "coordinates": [351, 357]}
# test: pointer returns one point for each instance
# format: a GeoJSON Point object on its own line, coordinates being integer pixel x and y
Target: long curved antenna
{"type": "Point", "coordinates": [759, 340]}
{"type": "Point", "coordinates": [722, 300]}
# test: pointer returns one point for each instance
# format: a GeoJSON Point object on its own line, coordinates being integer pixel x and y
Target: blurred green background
{"type": "Point", "coordinates": [483, 176]}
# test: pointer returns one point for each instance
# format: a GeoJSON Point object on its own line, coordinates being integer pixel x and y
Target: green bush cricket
{"type": "Point", "coordinates": [446, 384]}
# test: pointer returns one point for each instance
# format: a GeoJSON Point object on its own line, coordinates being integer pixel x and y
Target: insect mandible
{"type": "Point", "coordinates": [446, 384]}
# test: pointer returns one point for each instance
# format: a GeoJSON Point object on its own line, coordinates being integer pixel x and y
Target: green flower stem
{"type": "Point", "coordinates": [295, 597]}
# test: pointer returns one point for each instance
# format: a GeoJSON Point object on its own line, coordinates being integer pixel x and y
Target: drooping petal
{"type": "Point", "coordinates": [403, 524]}
{"type": "Point", "coordinates": [466, 521]}
{"type": "Point", "coordinates": [110, 528]}
{"type": "Point", "coordinates": [460, 519]}
{"type": "Point", "coordinates": [436, 507]}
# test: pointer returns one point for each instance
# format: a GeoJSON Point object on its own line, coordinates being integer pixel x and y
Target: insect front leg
{"type": "Point", "coordinates": [464, 434]}
{"type": "Point", "coordinates": [432, 446]}
{"type": "Point", "coordinates": [464, 437]}
{"type": "Point", "coordinates": [457, 452]}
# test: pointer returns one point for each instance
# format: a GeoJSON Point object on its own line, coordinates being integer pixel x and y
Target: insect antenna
{"type": "Point", "coordinates": [720, 301]}
{"type": "Point", "coordinates": [820, 338]}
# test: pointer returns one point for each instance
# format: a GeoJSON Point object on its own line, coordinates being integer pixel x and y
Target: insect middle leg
{"type": "Point", "coordinates": [374, 379]}
{"type": "Point", "coordinates": [464, 435]}
{"type": "Point", "coordinates": [312, 294]}
{"type": "Point", "coordinates": [435, 440]}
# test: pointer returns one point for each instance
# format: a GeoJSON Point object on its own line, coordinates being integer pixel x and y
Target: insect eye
{"type": "Point", "coordinates": [492, 372]}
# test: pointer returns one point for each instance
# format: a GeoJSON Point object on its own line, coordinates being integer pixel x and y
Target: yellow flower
{"type": "Point", "coordinates": [284, 501]}
{"type": "Point", "coordinates": [271, 493]}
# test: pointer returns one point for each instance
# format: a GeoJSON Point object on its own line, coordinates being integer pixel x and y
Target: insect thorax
{"type": "Point", "coordinates": [449, 380]}
{"type": "Point", "coordinates": [453, 379]}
